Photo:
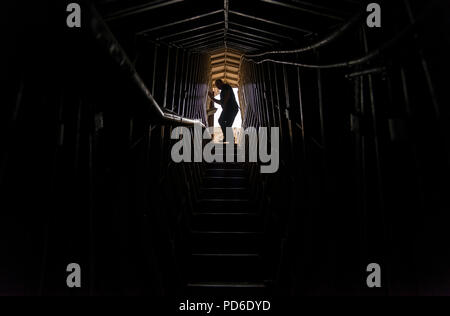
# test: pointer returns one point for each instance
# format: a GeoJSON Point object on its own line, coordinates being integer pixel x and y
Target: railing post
{"type": "Point", "coordinates": [288, 108]}
{"type": "Point", "coordinates": [265, 106]}
{"type": "Point", "coordinates": [175, 77]}
{"type": "Point", "coordinates": [155, 63]}
{"type": "Point", "coordinates": [178, 105]}
{"type": "Point", "coordinates": [278, 105]}
{"type": "Point", "coordinates": [272, 99]}
{"type": "Point", "coordinates": [185, 85]}
{"type": "Point", "coordinates": [166, 86]}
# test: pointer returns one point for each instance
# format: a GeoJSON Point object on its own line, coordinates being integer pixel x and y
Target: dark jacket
{"type": "Point", "coordinates": [232, 104]}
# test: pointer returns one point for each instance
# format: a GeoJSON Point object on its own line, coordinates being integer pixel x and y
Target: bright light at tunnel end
{"type": "Point", "coordinates": [256, 151]}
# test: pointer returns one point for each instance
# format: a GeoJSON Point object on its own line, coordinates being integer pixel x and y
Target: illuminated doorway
{"type": "Point", "coordinates": [237, 124]}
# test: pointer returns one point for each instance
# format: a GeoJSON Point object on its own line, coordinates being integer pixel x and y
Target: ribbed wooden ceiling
{"type": "Point", "coordinates": [225, 65]}
{"type": "Point", "coordinates": [226, 29]}
{"type": "Point", "coordinates": [241, 25]}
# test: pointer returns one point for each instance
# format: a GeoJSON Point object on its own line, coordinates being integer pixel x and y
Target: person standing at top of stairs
{"type": "Point", "coordinates": [229, 105]}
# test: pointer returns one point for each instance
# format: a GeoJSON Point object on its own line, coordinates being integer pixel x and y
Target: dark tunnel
{"type": "Point", "coordinates": [87, 174]}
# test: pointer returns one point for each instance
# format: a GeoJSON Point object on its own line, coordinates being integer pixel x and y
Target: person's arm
{"type": "Point", "coordinates": [221, 102]}
{"type": "Point", "coordinates": [218, 101]}
{"type": "Point", "coordinates": [211, 95]}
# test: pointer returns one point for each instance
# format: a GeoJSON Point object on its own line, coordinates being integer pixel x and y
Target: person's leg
{"type": "Point", "coordinates": [232, 117]}
{"type": "Point", "coordinates": [228, 120]}
{"type": "Point", "coordinates": [223, 124]}
{"type": "Point", "coordinates": [235, 113]}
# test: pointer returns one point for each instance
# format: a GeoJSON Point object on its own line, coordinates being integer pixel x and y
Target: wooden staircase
{"type": "Point", "coordinates": [226, 246]}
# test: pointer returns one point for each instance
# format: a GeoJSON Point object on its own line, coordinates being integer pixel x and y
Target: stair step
{"type": "Point", "coordinates": [228, 285]}
{"type": "Point", "coordinates": [225, 267]}
{"type": "Point", "coordinates": [224, 165]}
{"type": "Point", "coordinates": [224, 193]}
{"type": "Point", "coordinates": [227, 222]}
{"type": "Point", "coordinates": [223, 172]}
{"type": "Point", "coordinates": [226, 206]}
{"type": "Point", "coordinates": [222, 158]}
{"type": "Point", "coordinates": [225, 289]}
{"type": "Point", "coordinates": [226, 242]}
{"type": "Point", "coordinates": [225, 182]}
